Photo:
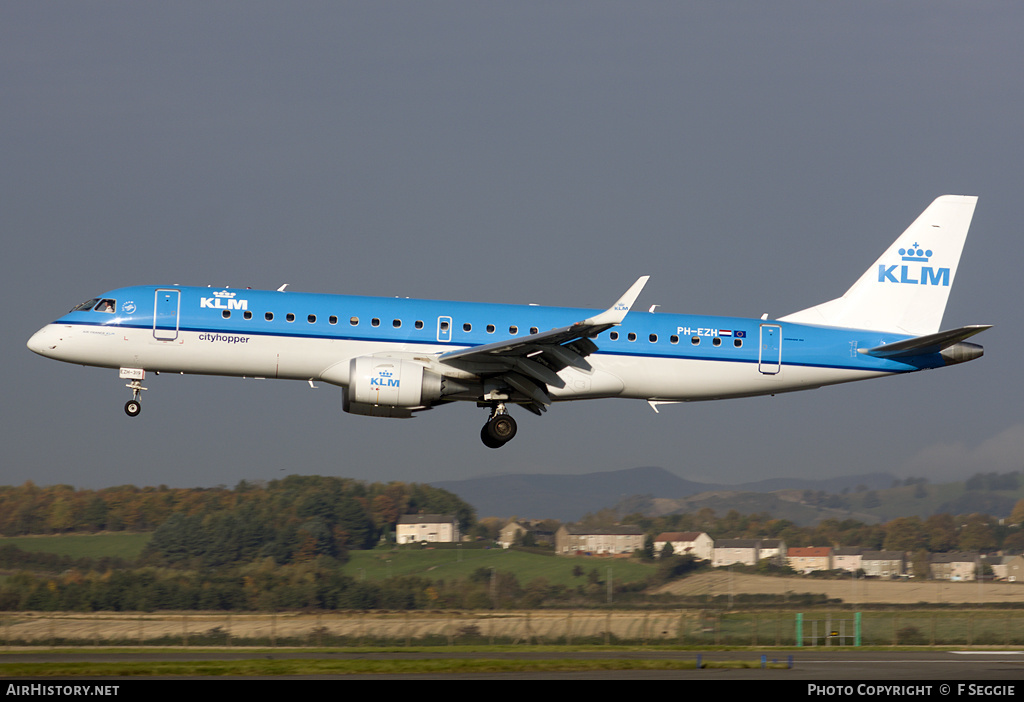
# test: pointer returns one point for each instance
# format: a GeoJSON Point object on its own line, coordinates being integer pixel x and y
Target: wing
{"type": "Point", "coordinates": [530, 364]}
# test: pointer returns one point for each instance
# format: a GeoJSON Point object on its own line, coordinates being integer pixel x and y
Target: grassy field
{"type": "Point", "coordinates": [438, 564]}
{"type": "Point", "coordinates": [117, 544]}
{"type": "Point", "coordinates": [405, 630]}
{"type": "Point", "coordinates": [433, 563]}
{"type": "Point", "coordinates": [316, 667]}
{"type": "Point", "coordinates": [902, 592]}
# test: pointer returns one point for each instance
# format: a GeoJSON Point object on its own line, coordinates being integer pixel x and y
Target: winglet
{"type": "Point", "coordinates": [617, 312]}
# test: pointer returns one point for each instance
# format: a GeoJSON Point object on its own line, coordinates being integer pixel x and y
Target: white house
{"type": "Point", "coordinates": [433, 528]}
{"type": "Point", "coordinates": [692, 543]}
{"type": "Point", "coordinates": [729, 551]}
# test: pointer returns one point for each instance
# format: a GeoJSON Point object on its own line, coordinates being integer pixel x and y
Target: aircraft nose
{"type": "Point", "coordinates": [43, 341]}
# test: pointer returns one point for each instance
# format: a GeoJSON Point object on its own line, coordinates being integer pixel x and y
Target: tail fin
{"type": "Point", "coordinates": [905, 291]}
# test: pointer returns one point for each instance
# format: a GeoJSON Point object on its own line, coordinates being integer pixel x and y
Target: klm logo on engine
{"type": "Point", "coordinates": [911, 274]}
{"type": "Point", "coordinates": [223, 300]}
{"type": "Point", "coordinates": [384, 379]}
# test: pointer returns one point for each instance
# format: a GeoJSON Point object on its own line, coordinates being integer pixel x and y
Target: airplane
{"type": "Point", "coordinates": [395, 357]}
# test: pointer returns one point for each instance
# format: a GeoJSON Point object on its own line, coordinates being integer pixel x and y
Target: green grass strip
{"type": "Point", "coordinates": [356, 667]}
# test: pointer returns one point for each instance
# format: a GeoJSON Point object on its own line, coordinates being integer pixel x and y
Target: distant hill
{"type": "Point", "coordinates": [569, 497]}
{"type": "Point", "coordinates": [872, 481]}
{"type": "Point", "coordinates": [777, 504]}
{"type": "Point", "coordinates": [565, 497]}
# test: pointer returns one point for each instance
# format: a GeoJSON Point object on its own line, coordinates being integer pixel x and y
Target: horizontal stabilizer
{"type": "Point", "coordinates": [927, 344]}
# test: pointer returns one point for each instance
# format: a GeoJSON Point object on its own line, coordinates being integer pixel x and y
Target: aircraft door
{"type": "Point", "coordinates": [770, 356]}
{"type": "Point", "coordinates": [166, 313]}
{"type": "Point", "coordinates": [444, 329]}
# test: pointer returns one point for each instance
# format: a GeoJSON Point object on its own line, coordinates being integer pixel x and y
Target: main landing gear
{"type": "Point", "coordinates": [500, 427]}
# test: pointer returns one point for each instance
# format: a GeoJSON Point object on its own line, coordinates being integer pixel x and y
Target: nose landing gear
{"type": "Point", "coordinates": [134, 405]}
{"type": "Point", "coordinates": [499, 429]}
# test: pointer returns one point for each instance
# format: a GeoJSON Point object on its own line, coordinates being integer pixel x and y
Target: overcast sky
{"type": "Point", "coordinates": [751, 157]}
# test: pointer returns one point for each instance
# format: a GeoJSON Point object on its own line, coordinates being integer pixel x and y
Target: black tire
{"type": "Point", "coordinates": [132, 408]}
{"type": "Point", "coordinates": [488, 441]}
{"type": "Point", "coordinates": [501, 428]}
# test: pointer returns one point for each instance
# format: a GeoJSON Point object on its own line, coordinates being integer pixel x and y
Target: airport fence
{"type": "Point", "coordinates": [571, 628]}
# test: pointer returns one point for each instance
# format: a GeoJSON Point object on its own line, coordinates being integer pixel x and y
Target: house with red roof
{"type": "Point", "coordinates": [805, 559]}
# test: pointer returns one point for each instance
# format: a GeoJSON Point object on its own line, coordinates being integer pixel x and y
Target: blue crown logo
{"type": "Point", "coordinates": [916, 253]}
{"type": "Point", "coordinates": [384, 374]}
{"type": "Point", "coordinates": [224, 293]}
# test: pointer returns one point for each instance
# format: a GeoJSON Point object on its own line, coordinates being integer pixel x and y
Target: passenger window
{"type": "Point", "coordinates": [490, 328]}
{"type": "Point", "coordinates": [419, 324]}
{"type": "Point", "coordinates": [311, 319]}
{"type": "Point", "coordinates": [269, 316]}
{"type": "Point", "coordinates": [467, 327]}
{"type": "Point", "coordinates": [534, 330]}
{"type": "Point", "coordinates": [737, 343]}
{"type": "Point", "coordinates": [695, 340]}
{"type": "Point", "coordinates": [354, 321]}
{"type": "Point", "coordinates": [247, 315]}
{"type": "Point", "coordinates": [716, 341]}
{"type": "Point", "coordinates": [444, 326]}
{"type": "Point", "coordinates": [332, 319]}
{"type": "Point", "coordinates": [375, 322]}
{"type": "Point", "coordinates": [290, 317]}
{"type": "Point", "coordinates": [513, 330]}
{"type": "Point", "coordinates": [631, 336]}
{"type": "Point", "coordinates": [653, 338]}
{"type": "Point", "coordinates": [614, 336]}
{"type": "Point", "coordinates": [673, 339]}
{"type": "Point", "coordinates": [226, 314]}
{"type": "Point", "coordinates": [396, 323]}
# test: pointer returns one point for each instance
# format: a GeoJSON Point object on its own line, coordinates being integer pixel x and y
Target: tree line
{"type": "Point", "coordinates": [317, 584]}
{"type": "Point", "coordinates": [939, 533]}
{"type": "Point", "coordinates": [366, 510]}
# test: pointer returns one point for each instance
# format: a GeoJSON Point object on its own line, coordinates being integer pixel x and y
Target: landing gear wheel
{"type": "Point", "coordinates": [133, 406]}
{"type": "Point", "coordinates": [501, 427]}
{"type": "Point", "coordinates": [488, 441]}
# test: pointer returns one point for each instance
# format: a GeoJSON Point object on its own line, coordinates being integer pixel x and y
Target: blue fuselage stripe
{"type": "Point", "coordinates": [641, 335]}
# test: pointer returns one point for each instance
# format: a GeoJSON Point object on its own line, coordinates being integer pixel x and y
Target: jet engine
{"type": "Point", "coordinates": [390, 387]}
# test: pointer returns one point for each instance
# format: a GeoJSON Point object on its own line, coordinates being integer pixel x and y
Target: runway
{"type": "Point", "coordinates": [826, 667]}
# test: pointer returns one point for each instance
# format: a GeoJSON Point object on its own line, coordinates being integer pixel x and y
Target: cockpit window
{"type": "Point", "coordinates": [107, 306]}
{"type": "Point", "coordinates": [86, 306]}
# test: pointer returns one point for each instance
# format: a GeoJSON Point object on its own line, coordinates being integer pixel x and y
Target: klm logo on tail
{"type": "Point", "coordinates": [925, 275]}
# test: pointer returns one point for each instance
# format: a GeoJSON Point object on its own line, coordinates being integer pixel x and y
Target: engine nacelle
{"type": "Point", "coordinates": [389, 387]}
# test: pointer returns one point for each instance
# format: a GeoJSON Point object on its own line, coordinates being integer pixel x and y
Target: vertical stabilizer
{"type": "Point", "coordinates": [906, 290]}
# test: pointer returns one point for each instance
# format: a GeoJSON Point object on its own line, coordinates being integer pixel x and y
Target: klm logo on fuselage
{"type": "Point", "coordinates": [910, 274]}
{"type": "Point", "coordinates": [223, 300]}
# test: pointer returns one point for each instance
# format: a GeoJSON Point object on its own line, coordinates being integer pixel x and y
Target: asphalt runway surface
{"type": "Point", "coordinates": [825, 667]}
